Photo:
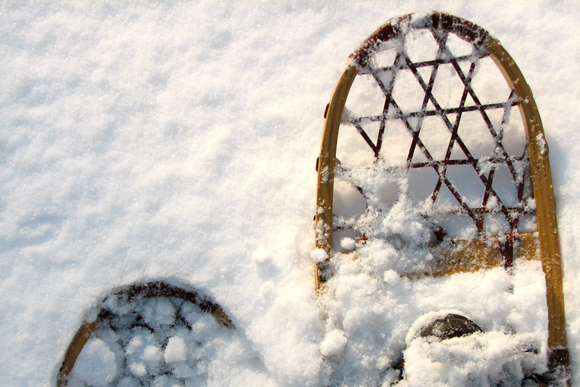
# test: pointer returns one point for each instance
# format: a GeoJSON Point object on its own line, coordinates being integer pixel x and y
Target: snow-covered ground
{"type": "Point", "coordinates": [177, 141]}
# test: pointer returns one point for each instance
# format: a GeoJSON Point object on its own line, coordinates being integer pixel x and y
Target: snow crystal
{"type": "Point", "coordinates": [333, 343]}
{"type": "Point", "coordinates": [542, 143]}
{"type": "Point", "coordinates": [318, 255]}
{"type": "Point", "coordinates": [391, 277]}
{"type": "Point", "coordinates": [175, 350]}
{"type": "Point", "coordinates": [138, 369]}
{"type": "Point", "coordinates": [151, 354]}
{"type": "Point", "coordinates": [348, 243]}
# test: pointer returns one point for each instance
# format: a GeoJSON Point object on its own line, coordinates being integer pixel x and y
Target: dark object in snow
{"type": "Point", "coordinates": [450, 326]}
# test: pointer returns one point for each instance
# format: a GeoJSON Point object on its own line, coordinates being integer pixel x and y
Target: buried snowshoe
{"type": "Point", "coordinates": [436, 194]}
{"type": "Point", "coordinates": [157, 334]}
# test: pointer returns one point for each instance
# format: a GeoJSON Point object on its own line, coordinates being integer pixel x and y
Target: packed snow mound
{"type": "Point", "coordinates": [480, 359]}
{"type": "Point", "coordinates": [446, 349]}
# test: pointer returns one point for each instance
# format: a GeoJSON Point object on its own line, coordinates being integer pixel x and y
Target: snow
{"type": "Point", "coordinates": [175, 350]}
{"type": "Point", "coordinates": [319, 255]}
{"type": "Point", "coordinates": [333, 344]}
{"type": "Point", "coordinates": [96, 363]}
{"type": "Point", "coordinates": [496, 355]}
{"type": "Point", "coordinates": [177, 141]}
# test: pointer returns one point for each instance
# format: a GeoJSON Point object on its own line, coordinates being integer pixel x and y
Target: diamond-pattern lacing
{"type": "Point", "coordinates": [491, 203]}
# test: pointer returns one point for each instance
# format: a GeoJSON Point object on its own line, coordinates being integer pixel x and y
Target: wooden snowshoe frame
{"type": "Point", "coordinates": [473, 254]}
{"type": "Point", "coordinates": [129, 294]}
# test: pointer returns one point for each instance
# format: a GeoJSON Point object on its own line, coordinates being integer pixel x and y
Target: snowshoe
{"type": "Point", "coordinates": [155, 334]}
{"type": "Point", "coordinates": [434, 185]}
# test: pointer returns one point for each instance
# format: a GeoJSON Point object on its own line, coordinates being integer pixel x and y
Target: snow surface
{"type": "Point", "coordinates": [177, 141]}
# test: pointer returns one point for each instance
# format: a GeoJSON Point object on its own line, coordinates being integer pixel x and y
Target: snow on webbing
{"type": "Point", "coordinates": [403, 178]}
{"type": "Point", "coordinates": [429, 102]}
{"type": "Point", "coordinates": [163, 341]}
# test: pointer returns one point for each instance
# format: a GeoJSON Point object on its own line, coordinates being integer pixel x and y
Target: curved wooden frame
{"type": "Point", "coordinates": [537, 147]}
{"type": "Point", "coordinates": [130, 293]}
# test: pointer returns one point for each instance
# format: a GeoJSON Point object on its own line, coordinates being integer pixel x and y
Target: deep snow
{"type": "Point", "coordinates": [177, 141]}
